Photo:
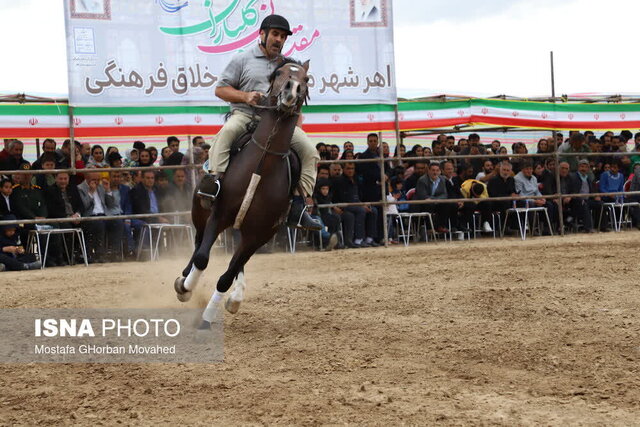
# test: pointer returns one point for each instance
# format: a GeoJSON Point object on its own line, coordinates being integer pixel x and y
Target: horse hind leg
{"type": "Point", "coordinates": [237, 295]}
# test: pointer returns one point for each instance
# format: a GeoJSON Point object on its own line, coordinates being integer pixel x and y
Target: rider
{"type": "Point", "coordinates": [243, 83]}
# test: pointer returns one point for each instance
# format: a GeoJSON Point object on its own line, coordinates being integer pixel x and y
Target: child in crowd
{"type": "Point", "coordinates": [12, 253]}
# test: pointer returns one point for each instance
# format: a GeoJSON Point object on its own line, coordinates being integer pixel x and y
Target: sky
{"type": "Point", "coordinates": [470, 47]}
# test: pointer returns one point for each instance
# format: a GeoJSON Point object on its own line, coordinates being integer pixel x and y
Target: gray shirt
{"type": "Point", "coordinates": [526, 186]}
{"type": "Point", "coordinates": [248, 71]}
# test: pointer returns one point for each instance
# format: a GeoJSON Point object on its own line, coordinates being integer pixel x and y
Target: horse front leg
{"type": "Point", "coordinates": [186, 284]}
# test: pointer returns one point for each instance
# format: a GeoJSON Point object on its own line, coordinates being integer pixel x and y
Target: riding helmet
{"type": "Point", "coordinates": [277, 22]}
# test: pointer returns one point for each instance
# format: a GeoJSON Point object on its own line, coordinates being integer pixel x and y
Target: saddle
{"type": "Point", "coordinates": [293, 160]}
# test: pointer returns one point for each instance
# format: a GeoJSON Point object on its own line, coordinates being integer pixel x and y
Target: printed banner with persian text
{"type": "Point", "coordinates": [170, 52]}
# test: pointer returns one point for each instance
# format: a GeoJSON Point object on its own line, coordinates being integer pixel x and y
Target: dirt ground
{"type": "Point", "coordinates": [488, 332]}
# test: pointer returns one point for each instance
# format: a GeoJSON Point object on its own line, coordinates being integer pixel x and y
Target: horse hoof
{"type": "Point", "coordinates": [232, 305]}
{"type": "Point", "coordinates": [182, 294]}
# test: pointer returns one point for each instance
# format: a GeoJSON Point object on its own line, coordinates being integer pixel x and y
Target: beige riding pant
{"type": "Point", "coordinates": [237, 125]}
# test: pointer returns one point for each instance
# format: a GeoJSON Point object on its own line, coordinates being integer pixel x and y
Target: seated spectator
{"type": "Point", "coordinates": [334, 152]}
{"type": "Point", "coordinates": [453, 185]}
{"type": "Point", "coordinates": [323, 172]}
{"type": "Point", "coordinates": [582, 209]}
{"type": "Point", "coordinates": [97, 198]}
{"type": "Point", "coordinates": [181, 192]}
{"type": "Point", "coordinates": [12, 252]}
{"type": "Point", "coordinates": [63, 201]}
{"type": "Point", "coordinates": [85, 152]}
{"type": "Point", "coordinates": [335, 170]}
{"type": "Point", "coordinates": [577, 144]}
{"type": "Point", "coordinates": [527, 185]}
{"type": "Point", "coordinates": [6, 188]}
{"type": "Point", "coordinates": [329, 219]}
{"type": "Point", "coordinates": [348, 145]}
{"type": "Point", "coordinates": [153, 152]}
{"type": "Point", "coordinates": [432, 186]}
{"type": "Point", "coordinates": [48, 162]}
{"type": "Point", "coordinates": [502, 185]}
{"type": "Point", "coordinates": [359, 222]}
{"type": "Point", "coordinates": [474, 189]}
{"type": "Point", "coordinates": [348, 155]}
{"type": "Point", "coordinates": [547, 183]}
{"type": "Point", "coordinates": [164, 155]}
{"type": "Point", "coordinates": [205, 150]}
{"type": "Point", "coordinates": [612, 181]}
{"type": "Point", "coordinates": [163, 191]}
{"type": "Point", "coordinates": [114, 159]}
{"type": "Point", "coordinates": [144, 158]}
{"type": "Point", "coordinates": [488, 171]}
{"type": "Point", "coordinates": [144, 198]}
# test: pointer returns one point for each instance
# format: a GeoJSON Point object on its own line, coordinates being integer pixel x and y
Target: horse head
{"type": "Point", "coordinates": [289, 89]}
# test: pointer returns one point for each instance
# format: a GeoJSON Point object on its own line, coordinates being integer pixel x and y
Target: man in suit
{"type": "Point", "coordinates": [96, 197]}
{"type": "Point", "coordinates": [433, 186]}
{"type": "Point", "coordinates": [62, 201]}
{"type": "Point", "coordinates": [6, 188]}
{"type": "Point", "coordinates": [145, 199]}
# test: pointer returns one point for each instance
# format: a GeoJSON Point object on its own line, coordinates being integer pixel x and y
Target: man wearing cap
{"type": "Point", "coordinates": [243, 83]}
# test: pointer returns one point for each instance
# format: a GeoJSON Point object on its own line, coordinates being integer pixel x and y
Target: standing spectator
{"type": "Point", "coordinates": [197, 141]}
{"type": "Point", "coordinates": [164, 154]}
{"type": "Point", "coordinates": [577, 144]}
{"type": "Point", "coordinates": [27, 201]}
{"type": "Point", "coordinates": [173, 143]}
{"type": "Point", "coordinates": [114, 160]}
{"type": "Point", "coordinates": [153, 152]}
{"type": "Point", "coordinates": [334, 153]}
{"type": "Point", "coordinates": [85, 152]}
{"type": "Point", "coordinates": [48, 146]}
{"type": "Point", "coordinates": [144, 158]}
{"type": "Point", "coordinates": [6, 188]}
{"type": "Point", "coordinates": [348, 145]}
{"type": "Point", "coordinates": [369, 173]}
{"type": "Point", "coordinates": [131, 158]}
{"type": "Point", "coordinates": [419, 169]}
{"type": "Point", "coordinates": [48, 162]}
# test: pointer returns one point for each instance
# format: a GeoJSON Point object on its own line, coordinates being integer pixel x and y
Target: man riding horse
{"type": "Point", "coordinates": [243, 83]}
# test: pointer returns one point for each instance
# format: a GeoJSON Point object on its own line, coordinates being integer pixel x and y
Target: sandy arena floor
{"type": "Point", "coordinates": [490, 332]}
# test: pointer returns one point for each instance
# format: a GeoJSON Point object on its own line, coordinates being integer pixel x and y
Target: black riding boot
{"type": "Point", "coordinates": [300, 218]}
{"type": "Point", "coordinates": [208, 190]}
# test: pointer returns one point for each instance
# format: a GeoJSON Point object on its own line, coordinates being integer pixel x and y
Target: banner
{"type": "Point", "coordinates": [170, 52]}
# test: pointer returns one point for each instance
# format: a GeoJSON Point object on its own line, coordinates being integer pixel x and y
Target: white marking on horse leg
{"type": "Point", "coordinates": [192, 278]}
{"type": "Point", "coordinates": [214, 313]}
{"type": "Point", "coordinates": [233, 302]}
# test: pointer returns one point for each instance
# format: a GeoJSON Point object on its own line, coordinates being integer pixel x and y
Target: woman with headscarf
{"type": "Point", "coordinates": [131, 158]}
{"type": "Point", "coordinates": [97, 159]}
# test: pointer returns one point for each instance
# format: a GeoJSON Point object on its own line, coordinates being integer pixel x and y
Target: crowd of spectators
{"type": "Point", "coordinates": [92, 193]}
{"type": "Point", "coordinates": [408, 175]}
{"type": "Point", "coordinates": [412, 175]}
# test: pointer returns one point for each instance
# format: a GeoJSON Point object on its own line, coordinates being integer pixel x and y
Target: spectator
{"type": "Point", "coordinates": [173, 143]}
{"type": "Point", "coordinates": [323, 172]}
{"type": "Point", "coordinates": [495, 146]}
{"type": "Point", "coordinates": [97, 198]}
{"type": "Point", "coordinates": [334, 152]}
{"type": "Point", "coordinates": [369, 173]}
{"type": "Point", "coordinates": [347, 146]}
{"type": "Point", "coordinates": [48, 146]}
{"type": "Point", "coordinates": [453, 192]}
{"type": "Point", "coordinates": [165, 204]}
{"type": "Point", "coordinates": [335, 170]}
{"type": "Point", "coordinates": [111, 149]}
{"type": "Point", "coordinates": [543, 146]}
{"type": "Point", "coordinates": [145, 200]}
{"type": "Point", "coordinates": [115, 160]}
{"type": "Point", "coordinates": [139, 145]}
{"type": "Point", "coordinates": [548, 181]}
{"type": "Point", "coordinates": [164, 154]}
{"type": "Point", "coordinates": [527, 184]}
{"type": "Point", "coordinates": [474, 189]}
{"type": "Point", "coordinates": [153, 153]}
{"type": "Point", "coordinates": [329, 218]}
{"type": "Point", "coordinates": [4, 154]}
{"type": "Point", "coordinates": [583, 208]}
{"type": "Point", "coordinates": [12, 252]}
{"type": "Point", "coordinates": [197, 141]}
{"type": "Point", "coordinates": [62, 201]}
{"type": "Point", "coordinates": [14, 159]}
{"type": "Point", "coordinates": [48, 162]}
{"type": "Point", "coordinates": [181, 191]}
{"type": "Point", "coordinates": [131, 158]}
{"type": "Point", "coordinates": [577, 144]}
{"type": "Point", "coordinates": [347, 155]}
{"type": "Point", "coordinates": [419, 170]}
{"type": "Point", "coordinates": [6, 188]}
{"type": "Point", "coordinates": [85, 152]}
{"type": "Point", "coordinates": [144, 159]}
{"type": "Point", "coordinates": [27, 201]}
{"type": "Point", "coordinates": [502, 185]}
{"type": "Point", "coordinates": [488, 171]}
{"type": "Point", "coordinates": [205, 150]}
{"type": "Point", "coordinates": [432, 186]}
{"type": "Point", "coordinates": [612, 181]}
{"type": "Point", "coordinates": [359, 223]}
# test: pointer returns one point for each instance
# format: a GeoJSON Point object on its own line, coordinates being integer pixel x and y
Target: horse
{"type": "Point", "coordinates": [265, 202]}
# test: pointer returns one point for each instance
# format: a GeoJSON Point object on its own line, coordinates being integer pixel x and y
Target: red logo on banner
{"type": "Point", "coordinates": [461, 113]}
{"type": "Point", "coordinates": [623, 116]}
{"type": "Point", "coordinates": [33, 121]}
{"type": "Point", "coordinates": [371, 117]}
{"type": "Point", "coordinates": [197, 119]}
{"type": "Point", "coordinates": [571, 116]}
{"type": "Point", "coordinates": [430, 115]}
{"type": "Point", "coordinates": [544, 115]}
{"type": "Point", "coordinates": [515, 114]}
{"type": "Point", "coordinates": [335, 117]}
{"type": "Point", "coordinates": [159, 120]}
{"type": "Point", "coordinates": [77, 121]}
{"type": "Point", "coordinates": [118, 120]}
{"type": "Point", "coordinates": [596, 116]}
{"type": "Point", "coordinates": [485, 111]}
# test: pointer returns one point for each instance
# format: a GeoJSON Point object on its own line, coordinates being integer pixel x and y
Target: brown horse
{"type": "Point", "coordinates": [265, 155]}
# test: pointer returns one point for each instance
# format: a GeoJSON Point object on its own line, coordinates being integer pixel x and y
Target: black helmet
{"type": "Point", "coordinates": [277, 22]}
